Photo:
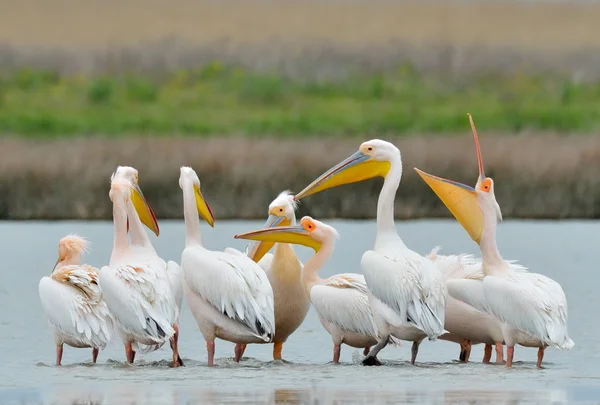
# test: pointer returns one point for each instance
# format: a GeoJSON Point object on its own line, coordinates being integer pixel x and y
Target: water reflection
{"type": "Point", "coordinates": [131, 394]}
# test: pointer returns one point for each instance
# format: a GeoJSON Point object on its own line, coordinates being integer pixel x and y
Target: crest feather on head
{"type": "Point", "coordinates": [74, 244]}
{"type": "Point", "coordinates": [285, 197]}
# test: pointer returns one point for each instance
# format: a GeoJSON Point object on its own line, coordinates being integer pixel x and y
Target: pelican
{"type": "Point", "coordinates": [407, 291]}
{"type": "Point", "coordinates": [341, 301]}
{"type": "Point", "coordinates": [137, 290]}
{"type": "Point", "coordinates": [228, 294]}
{"type": "Point", "coordinates": [525, 302]}
{"type": "Point", "coordinates": [283, 271]}
{"type": "Point", "coordinates": [72, 300]}
{"type": "Point", "coordinates": [140, 242]}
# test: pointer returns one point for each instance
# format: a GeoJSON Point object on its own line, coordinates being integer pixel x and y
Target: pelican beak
{"type": "Point", "coordinates": [461, 200]}
{"type": "Point", "coordinates": [256, 250]}
{"type": "Point", "coordinates": [55, 264]}
{"type": "Point", "coordinates": [144, 210]}
{"type": "Point", "coordinates": [203, 207]}
{"type": "Point", "coordinates": [355, 168]}
{"type": "Point", "coordinates": [283, 234]}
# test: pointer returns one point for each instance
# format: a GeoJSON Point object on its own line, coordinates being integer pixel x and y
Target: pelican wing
{"type": "Point", "coordinates": [343, 301]}
{"type": "Point", "coordinates": [531, 303]}
{"type": "Point", "coordinates": [74, 305]}
{"type": "Point", "coordinates": [264, 263]}
{"type": "Point", "coordinates": [469, 291]}
{"type": "Point", "coordinates": [410, 285]}
{"type": "Point", "coordinates": [457, 266]}
{"type": "Point", "coordinates": [234, 285]}
{"type": "Point", "coordinates": [140, 298]}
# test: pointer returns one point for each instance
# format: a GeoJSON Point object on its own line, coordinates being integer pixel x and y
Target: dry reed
{"type": "Point", "coordinates": [537, 175]}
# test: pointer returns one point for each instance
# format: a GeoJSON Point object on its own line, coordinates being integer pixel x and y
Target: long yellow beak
{"type": "Point", "coordinates": [355, 168]}
{"type": "Point", "coordinates": [203, 207]}
{"type": "Point", "coordinates": [256, 250]}
{"type": "Point", "coordinates": [288, 234]}
{"type": "Point", "coordinates": [461, 200]}
{"type": "Point", "coordinates": [144, 210]}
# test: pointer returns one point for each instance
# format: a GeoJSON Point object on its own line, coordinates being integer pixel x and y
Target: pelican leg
{"type": "Point", "coordinates": [371, 359]}
{"type": "Point", "coordinates": [499, 353]}
{"type": "Point", "coordinates": [177, 362]}
{"type": "Point", "coordinates": [95, 351]}
{"type": "Point", "coordinates": [59, 352]}
{"type": "Point", "coordinates": [129, 353]}
{"type": "Point", "coordinates": [465, 350]}
{"type": "Point", "coordinates": [277, 348]}
{"type": "Point", "coordinates": [540, 357]}
{"type": "Point", "coordinates": [510, 352]}
{"type": "Point", "coordinates": [336, 353]}
{"type": "Point", "coordinates": [366, 351]}
{"type": "Point", "coordinates": [210, 347]}
{"type": "Point", "coordinates": [487, 354]}
{"type": "Point", "coordinates": [239, 351]}
{"type": "Point", "coordinates": [414, 350]}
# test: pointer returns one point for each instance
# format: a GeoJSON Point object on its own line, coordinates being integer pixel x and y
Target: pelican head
{"type": "Point", "coordinates": [310, 233]}
{"type": "Point", "coordinates": [120, 187]}
{"type": "Point", "coordinates": [470, 206]}
{"type": "Point", "coordinates": [141, 205]}
{"type": "Point", "coordinates": [374, 158]}
{"type": "Point", "coordinates": [189, 176]}
{"type": "Point", "coordinates": [282, 212]}
{"type": "Point", "coordinates": [70, 249]}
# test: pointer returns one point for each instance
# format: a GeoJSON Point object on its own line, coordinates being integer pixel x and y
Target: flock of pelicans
{"type": "Point", "coordinates": [261, 297]}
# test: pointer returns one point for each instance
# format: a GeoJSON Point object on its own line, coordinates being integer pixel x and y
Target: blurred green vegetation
{"type": "Point", "coordinates": [219, 100]}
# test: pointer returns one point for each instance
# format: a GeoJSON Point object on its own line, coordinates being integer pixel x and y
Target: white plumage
{"type": "Point", "coordinates": [73, 301]}
{"type": "Point", "coordinates": [531, 306]}
{"type": "Point", "coordinates": [342, 301]}
{"type": "Point", "coordinates": [234, 285]}
{"type": "Point", "coordinates": [228, 294]}
{"type": "Point", "coordinates": [135, 284]}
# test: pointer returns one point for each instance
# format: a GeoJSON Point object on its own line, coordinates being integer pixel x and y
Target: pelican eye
{"type": "Point", "coordinates": [486, 185]}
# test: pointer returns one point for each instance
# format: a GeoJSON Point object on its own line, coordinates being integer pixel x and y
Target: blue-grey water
{"type": "Point", "coordinates": [565, 251]}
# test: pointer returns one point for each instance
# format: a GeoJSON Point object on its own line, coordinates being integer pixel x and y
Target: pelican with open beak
{"type": "Point", "coordinates": [525, 302]}
{"type": "Point", "coordinates": [341, 301]}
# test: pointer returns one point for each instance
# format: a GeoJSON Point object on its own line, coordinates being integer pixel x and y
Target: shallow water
{"type": "Point", "coordinates": [564, 251]}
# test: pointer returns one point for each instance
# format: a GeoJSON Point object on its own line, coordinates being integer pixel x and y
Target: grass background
{"type": "Point", "coordinates": [218, 99]}
{"type": "Point", "coordinates": [241, 89]}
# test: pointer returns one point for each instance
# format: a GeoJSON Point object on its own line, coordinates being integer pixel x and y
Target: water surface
{"type": "Point", "coordinates": [564, 251]}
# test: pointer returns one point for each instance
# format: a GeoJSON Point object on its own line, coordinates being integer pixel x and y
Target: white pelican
{"type": "Point", "coordinates": [140, 242]}
{"type": "Point", "coordinates": [137, 290]}
{"type": "Point", "coordinates": [228, 294]}
{"type": "Point", "coordinates": [408, 292]}
{"type": "Point", "coordinates": [283, 271]}
{"type": "Point", "coordinates": [73, 302]}
{"type": "Point", "coordinates": [526, 302]}
{"type": "Point", "coordinates": [341, 301]}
